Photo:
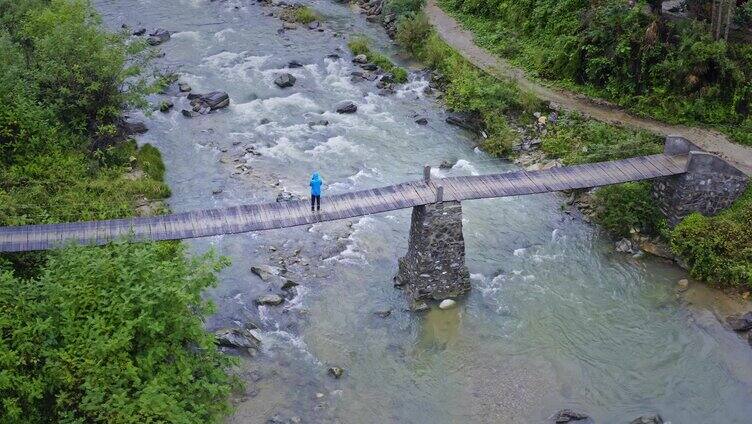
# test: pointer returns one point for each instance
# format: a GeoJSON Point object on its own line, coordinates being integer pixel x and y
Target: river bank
{"type": "Point", "coordinates": [542, 330]}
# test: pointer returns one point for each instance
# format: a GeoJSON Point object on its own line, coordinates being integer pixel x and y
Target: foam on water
{"type": "Point", "coordinates": [337, 77]}
{"type": "Point", "coordinates": [464, 165]}
{"type": "Point", "coordinates": [236, 66]}
{"type": "Point", "coordinates": [186, 35]}
{"type": "Point", "coordinates": [338, 145]}
{"type": "Point", "coordinates": [221, 36]}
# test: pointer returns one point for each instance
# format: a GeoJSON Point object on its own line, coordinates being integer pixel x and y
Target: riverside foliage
{"type": "Point", "coordinates": [112, 334]}
{"type": "Point", "coordinates": [673, 71]}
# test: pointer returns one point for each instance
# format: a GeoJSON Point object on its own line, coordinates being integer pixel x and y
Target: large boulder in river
{"type": "Point", "coordinates": [266, 272]}
{"type": "Point", "coordinates": [284, 80]}
{"type": "Point", "coordinates": [568, 416]}
{"type": "Point", "coordinates": [346, 107]}
{"type": "Point", "coordinates": [158, 37]}
{"type": "Point", "coordinates": [740, 323]}
{"type": "Point", "coordinates": [205, 103]}
{"type": "Point", "coordinates": [237, 338]}
{"type": "Point", "coordinates": [129, 128]}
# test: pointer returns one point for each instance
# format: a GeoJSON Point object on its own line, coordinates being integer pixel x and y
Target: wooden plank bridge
{"type": "Point", "coordinates": [267, 216]}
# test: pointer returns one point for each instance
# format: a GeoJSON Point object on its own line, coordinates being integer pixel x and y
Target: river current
{"type": "Point", "coordinates": [556, 319]}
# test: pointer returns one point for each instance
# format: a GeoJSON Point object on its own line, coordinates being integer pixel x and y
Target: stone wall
{"type": "Point", "coordinates": [709, 185]}
{"type": "Point", "coordinates": [434, 266]}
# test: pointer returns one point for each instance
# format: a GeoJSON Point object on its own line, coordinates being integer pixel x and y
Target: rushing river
{"type": "Point", "coordinates": [556, 318]}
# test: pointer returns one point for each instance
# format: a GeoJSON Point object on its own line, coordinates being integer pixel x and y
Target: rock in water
{"type": "Point", "coordinates": [336, 372]}
{"type": "Point", "coordinates": [682, 285]}
{"type": "Point", "coordinates": [205, 103]}
{"type": "Point", "coordinates": [740, 323]}
{"type": "Point", "coordinates": [421, 121]}
{"type": "Point", "coordinates": [189, 113]}
{"type": "Point", "coordinates": [158, 37]}
{"type": "Point", "coordinates": [383, 313]}
{"type": "Point", "coordinates": [568, 416]}
{"type": "Point", "coordinates": [284, 80]}
{"type": "Point", "coordinates": [266, 272]}
{"type": "Point", "coordinates": [184, 87]}
{"type": "Point", "coordinates": [648, 419]}
{"type": "Point", "coordinates": [236, 338]}
{"type": "Point", "coordinates": [165, 106]}
{"type": "Point", "coordinates": [361, 58]}
{"type": "Point", "coordinates": [139, 32]}
{"type": "Point", "coordinates": [294, 64]}
{"type": "Point", "coordinates": [269, 299]}
{"type": "Point", "coordinates": [447, 304]}
{"type": "Point", "coordinates": [347, 107]}
{"type": "Point", "coordinates": [133, 127]}
{"type": "Point", "coordinates": [624, 246]}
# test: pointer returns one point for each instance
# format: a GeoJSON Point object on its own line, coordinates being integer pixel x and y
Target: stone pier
{"type": "Point", "coordinates": [709, 185]}
{"type": "Point", "coordinates": [434, 266]}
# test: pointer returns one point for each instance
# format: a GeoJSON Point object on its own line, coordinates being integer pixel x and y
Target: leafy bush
{"type": "Point", "coordinates": [111, 335]}
{"type": "Point", "coordinates": [718, 249]}
{"type": "Point", "coordinates": [623, 207]}
{"type": "Point", "coordinates": [673, 71]}
{"type": "Point", "coordinates": [360, 45]}
{"type": "Point", "coordinates": [404, 7]}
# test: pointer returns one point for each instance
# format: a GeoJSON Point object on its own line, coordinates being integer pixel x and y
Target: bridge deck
{"type": "Point", "coordinates": [266, 216]}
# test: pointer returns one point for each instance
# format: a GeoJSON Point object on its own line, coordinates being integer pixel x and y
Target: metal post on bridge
{"type": "Point", "coordinates": [439, 194]}
{"type": "Point", "coordinates": [426, 173]}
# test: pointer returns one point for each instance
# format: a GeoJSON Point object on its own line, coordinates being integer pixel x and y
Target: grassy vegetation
{"type": "Point", "coordinates": [718, 249]}
{"type": "Point", "coordinates": [577, 140]}
{"type": "Point", "coordinates": [301, 14]}
{"type": "Point", "coordinates": [360, 45]}
{"type": "Point", "coordinates": [112, 334]}
{"type": "Point", "coordinates": [672, 71]}
{"type": "Point", "coordinates": [469, 89]}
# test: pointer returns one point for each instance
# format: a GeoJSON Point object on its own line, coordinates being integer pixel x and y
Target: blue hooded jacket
{"type": "Point", "coordinates": [316, 183]}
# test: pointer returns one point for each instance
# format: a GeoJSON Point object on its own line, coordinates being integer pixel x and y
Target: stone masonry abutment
{"type": "Point", "coordinates": [434, 266]}
{"type": "Point", "coordinates": [709, 186]}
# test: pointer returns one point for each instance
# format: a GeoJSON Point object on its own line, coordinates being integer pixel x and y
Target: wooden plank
{"type": "Point", "coordinates": [451, 190]}
{"type": "Point", "coordinates": [656, 170]}
{"type": "Point", "coordinates": [523, 184]}
{"type": "Point", "coordinates": [612, 173]}
{"type": "Point", "coordinates": [536, 186]}
{"type": "Point", "coordinates": [632, 169]}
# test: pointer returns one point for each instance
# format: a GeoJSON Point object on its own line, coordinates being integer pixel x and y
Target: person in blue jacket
{"type": "Point", "coordinates": [316, 184]}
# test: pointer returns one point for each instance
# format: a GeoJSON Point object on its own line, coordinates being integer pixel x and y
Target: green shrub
{"type": "Point", "coordinates": [718, 249]}
{"type": "Point", "coordinates": [404, 7]}
{"type": "Point", "coordinates": [360, 45]}
{"type": "Point", "coordinates": [304, 15]}
{"type": "Point", "coordinates": [577, 140]}
{"type": "Point", "coordinates": [111, 335]}
{"type": "Point", "coordinates": [623, 207]}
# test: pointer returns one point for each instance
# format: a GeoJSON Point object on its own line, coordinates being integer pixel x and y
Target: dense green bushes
{"type": "Point", "coordinates": [673, 71]}
{"type": "Point", "coordinates": [91, 335]}
{"type": "Point", "coordinates": [111, 335]}
{"type": "Point", "coordinates": [625, 207]}
{"type": "Point", "coordinates": [718, 249]}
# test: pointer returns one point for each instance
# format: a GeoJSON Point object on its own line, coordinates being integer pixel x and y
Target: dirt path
{"type": "Point", "coordinates": [712, 141]}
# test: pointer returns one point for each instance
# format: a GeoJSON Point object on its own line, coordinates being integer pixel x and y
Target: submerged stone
{"type": "Point", "coordinates": [269, 299]}
{"type": "Point", "coordinates": [447, 304]}
{"type": "Point", "coordinates": [647, 419]}
{"type": "Point", "coordinates": [346, 107]}
{"type": "Point", "coordinates": [336, 372]}
{"type": "Point", "coordinates": [284, 80]}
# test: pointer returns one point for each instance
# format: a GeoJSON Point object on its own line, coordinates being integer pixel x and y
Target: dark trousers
{"type": "Point", "coordinates": [316, 200]}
